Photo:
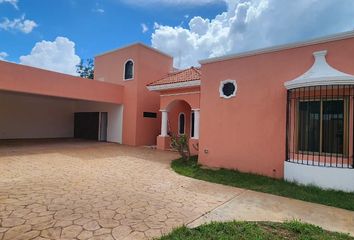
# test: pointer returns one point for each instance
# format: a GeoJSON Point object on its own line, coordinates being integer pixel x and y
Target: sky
{"type": "Point", "coordinates": [57, 34]}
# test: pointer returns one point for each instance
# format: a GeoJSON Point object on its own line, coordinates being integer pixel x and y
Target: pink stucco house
{"type": "Point", "coordinates": [284, 112]}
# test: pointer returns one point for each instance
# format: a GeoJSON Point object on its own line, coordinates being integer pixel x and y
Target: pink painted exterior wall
{"type": "Point", "coordinates": [247, 132]}
{"type": "Point", "coordinates": [175, 102]}
{"type": "Point", "coordinates": [189, 95]}
{"type": "Point", "coordinates": [149, 65]}
{"type": "Point", "coordinates": [173, 115]}
{"type": "Point", "coordinates": [24, 79]}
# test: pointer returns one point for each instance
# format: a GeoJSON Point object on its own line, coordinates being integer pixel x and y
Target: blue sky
{"type": "Point", "coordinates": [94, 26]}
{"type": "Point", "coordinates": [55, 34]}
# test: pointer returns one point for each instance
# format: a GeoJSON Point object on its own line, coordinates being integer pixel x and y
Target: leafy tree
{"type": "Point", "coordinates": [86, 68]}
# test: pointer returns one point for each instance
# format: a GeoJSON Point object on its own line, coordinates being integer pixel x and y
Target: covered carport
{"type": "Point", "coordinates": [36, 103]}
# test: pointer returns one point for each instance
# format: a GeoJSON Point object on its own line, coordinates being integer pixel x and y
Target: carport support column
{"type": "Point", "coordinates": [164, 123]}
{"type": "Point", "coordinates": [196, 123]}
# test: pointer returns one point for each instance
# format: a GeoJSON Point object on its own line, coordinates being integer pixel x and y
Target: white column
{"type": "Point", "coordinates": [196, 123]}
{"type": "Point", "coordinates": [164, 123]}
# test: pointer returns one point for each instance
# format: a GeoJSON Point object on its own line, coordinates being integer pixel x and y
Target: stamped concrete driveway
{"type": "Point", "coordinates": [89, 190]}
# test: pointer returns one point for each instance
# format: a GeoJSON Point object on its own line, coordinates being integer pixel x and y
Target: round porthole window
{"type": "Point", "coordinates": [228, 88]}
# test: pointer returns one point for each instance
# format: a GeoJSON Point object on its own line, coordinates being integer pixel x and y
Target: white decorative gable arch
{"type": "Point", "coordinates": [320, 74]}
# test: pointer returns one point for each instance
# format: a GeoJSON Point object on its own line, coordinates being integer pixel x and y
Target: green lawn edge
{"type": "Point", "coordinates": [264, 184]}
{"type": "Point", "coordinates": [292, 230]}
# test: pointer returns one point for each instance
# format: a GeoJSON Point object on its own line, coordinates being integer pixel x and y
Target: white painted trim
{"type": "Point", "coordinates": [134, 44]}
{"type": "Point", "coordinates": [324, 177]}
{"type": "Point", "coordinates": [179, 94]}
{"type": "Point", "coordinates": [330, 38]}
{"type": "Point", "coordinates": [196, 123]}
{"type": "Point", "coordinates": [320, 74]}
{"type": "Point", "coordinates": [164, 123]}
{"type": "Point", "coordinates": [125, 63]}
{"type": "Point", "coordinates": [119, 125]}
{"type": "Point", "coordinates": [191, 122]}
{"type": "Point", "coordinates": [179, 123]}
{"type": "Point", "coordinates": [328, 81]}
{"type": "Point", "coordinates": [320, 164]}
{"type": "Point", "coordinates": [188, 84]}
{"type": "Point", "coordinates": [222, 83]}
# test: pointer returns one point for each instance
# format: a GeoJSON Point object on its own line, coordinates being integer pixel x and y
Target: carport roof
{"type": "Point", "coordinates": [25, 79]}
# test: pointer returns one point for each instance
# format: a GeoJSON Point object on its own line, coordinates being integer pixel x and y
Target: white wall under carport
{"type": "Point", "coordinates": [115, 117]}
{"type": "Point", "coordinates": [24, 116]}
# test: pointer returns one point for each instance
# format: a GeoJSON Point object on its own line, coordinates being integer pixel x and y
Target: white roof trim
{"type": "Point", "coordinates": [325, 39]}
{"type": "Point", "coordinates": [321, 73]}
{"type": "Point", "coordinates": [169, 86]}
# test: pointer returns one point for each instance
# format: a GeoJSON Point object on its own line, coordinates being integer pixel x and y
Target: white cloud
{"type": "Point", "coordinates": [21, 24]}
{"type": "Point", "coordinates": [3, 55]}
{"type": "Point", "coordinates": [144, 28]}
{"type": "Point", "coordinates": [98, 10]}
{"type": "Point", "coordinates": [251, 24]}
{"type": "Point", "coordinates": [12, 2]}
{"type": "Point", "coordinates": [58, 56]}
{"type": "Point", "coordinates": [199, 25]}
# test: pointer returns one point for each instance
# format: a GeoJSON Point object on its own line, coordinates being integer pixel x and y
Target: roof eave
{"type": "Point", "coordinates": [324, 81]}
{"type": "Point", "coordinates": [330, 38]}
{"type": "Point", "coordinates": [171, 86]}
{"type": "Point", "coordinates": [131, 45]}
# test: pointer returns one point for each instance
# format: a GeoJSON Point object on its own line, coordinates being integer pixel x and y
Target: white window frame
{"type": "Point", "coordinates": [125, 64]}
{"type": "Point", "coordinates": [222, 83]}
{"type": "Point", "coordinates": [179, 123]}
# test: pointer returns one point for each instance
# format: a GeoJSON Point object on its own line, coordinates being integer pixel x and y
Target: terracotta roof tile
{"type": "Point", "coordinates": [190, 74]}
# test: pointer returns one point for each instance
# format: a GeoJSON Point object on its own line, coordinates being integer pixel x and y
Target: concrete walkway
{"type": "Point", "coordinates": [89, 190]}
{"type": "Point", "coordinates": [256, 206]}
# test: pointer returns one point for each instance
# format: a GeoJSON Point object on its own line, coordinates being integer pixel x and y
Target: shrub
{"type": "Point", "coordinates": [180, 143]}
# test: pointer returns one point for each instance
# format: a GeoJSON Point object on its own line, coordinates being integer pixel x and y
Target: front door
{"type": "Point", "coordinates": [86, 125]}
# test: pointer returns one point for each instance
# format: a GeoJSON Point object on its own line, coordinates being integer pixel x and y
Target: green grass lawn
{"type": "Point", "coordinates": [255, 231]}
{"type": "Point", "coordinates": [265, 184]}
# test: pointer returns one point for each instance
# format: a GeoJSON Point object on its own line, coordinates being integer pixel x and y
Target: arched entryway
{"type": "Point", "coordinates": [179, 105]}
{"type": "Point", "coordinates": [178, 118]}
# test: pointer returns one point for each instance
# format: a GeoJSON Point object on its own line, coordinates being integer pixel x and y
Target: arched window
{"type": "Point", "coordinates": [181, 123]}
{"type": "Point", "coordinates": [129, 70]}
